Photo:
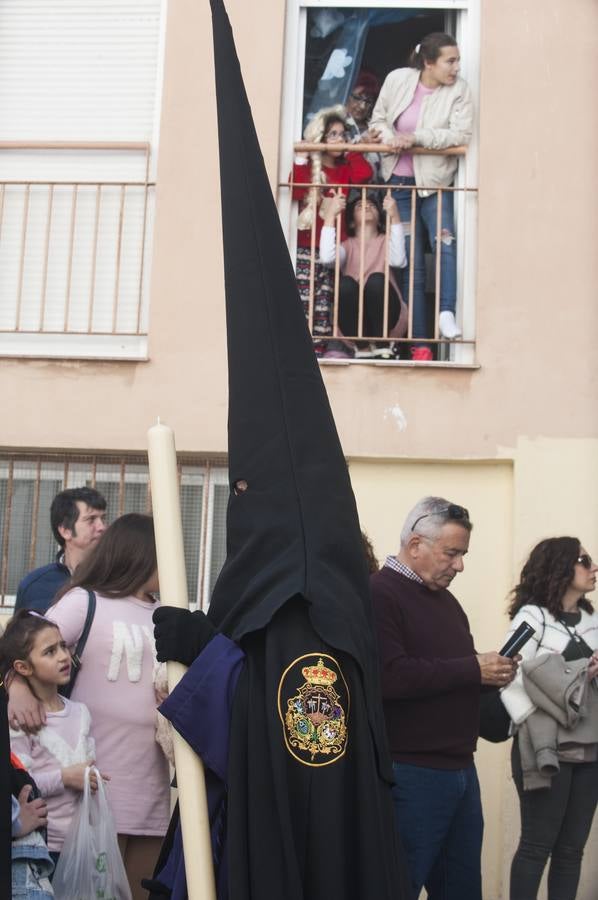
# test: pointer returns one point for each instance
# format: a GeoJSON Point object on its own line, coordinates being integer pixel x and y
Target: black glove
{"type": "Point", "coordinates": [180, 635]}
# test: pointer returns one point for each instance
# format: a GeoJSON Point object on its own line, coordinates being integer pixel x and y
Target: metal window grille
{"type": "Point", "coordinates": [29, 481]}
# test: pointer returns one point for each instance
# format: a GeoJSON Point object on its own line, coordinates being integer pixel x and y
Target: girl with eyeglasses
{"type": "Point", "coordinates": [555, 770]}
{"type": "Point", "coordinates": [328, 167]}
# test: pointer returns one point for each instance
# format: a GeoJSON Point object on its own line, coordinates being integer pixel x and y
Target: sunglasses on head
{"type": "Point", "coordinates": [585, 560]}
{"type": "Point", "coordinates": [452, 512]}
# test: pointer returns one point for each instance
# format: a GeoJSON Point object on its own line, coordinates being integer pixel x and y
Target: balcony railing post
{"type": "Point", "coordinates": [361, 264]}
{"type": "Point", "coordinates": [118, 257]}
{"type": "Point", "coordinates": [388, 226]}
{"type": "Point", "coordinates": [23, 246]}
{"type": "Point", "coordinates": [42, 305]}
{"type": "Point", "coordinates": [411, 260]}
{"type": "Point", "coordinates": [438, 261]}
{"type": "Point", "coordinates": [69, 274]}
{"type": "Point", "coordinates": [94, 257]}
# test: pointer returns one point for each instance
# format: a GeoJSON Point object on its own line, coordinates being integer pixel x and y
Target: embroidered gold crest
{"type": "Point", "coordinates": [315, 716]}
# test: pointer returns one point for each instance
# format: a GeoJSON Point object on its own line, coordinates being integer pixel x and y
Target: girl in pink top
{"type": "Point", "coordinates": [57, 755]}
{"type": "Point", "coordinates": [365, 256]}
{"type": "Point", "coordinates": [116, 681]}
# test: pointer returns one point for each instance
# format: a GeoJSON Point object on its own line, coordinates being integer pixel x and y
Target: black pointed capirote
{"type": "Point", "coordinates": [295, 529]}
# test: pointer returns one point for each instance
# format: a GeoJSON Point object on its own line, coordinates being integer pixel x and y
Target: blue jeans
{"type": "Point", "coordinates": [426, 209]}
{"type": "Point", "coordinates": [439, 818]}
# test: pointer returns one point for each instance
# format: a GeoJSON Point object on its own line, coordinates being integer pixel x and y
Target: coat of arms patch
{"type": "Point", "coordinates": [315, 713]}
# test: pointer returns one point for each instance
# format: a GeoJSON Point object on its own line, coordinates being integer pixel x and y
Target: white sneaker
{"type": "Point", "coordinates": [448, 326]}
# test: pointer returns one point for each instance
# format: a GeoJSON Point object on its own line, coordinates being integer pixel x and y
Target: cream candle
{"type": "Point", "coordinates": [173, 592]}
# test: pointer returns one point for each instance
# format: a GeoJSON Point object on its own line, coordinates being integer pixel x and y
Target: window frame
{"type": "Point", "coordinates": [121, 345]}
{"type": "Point", "coordinates": [463, 19]}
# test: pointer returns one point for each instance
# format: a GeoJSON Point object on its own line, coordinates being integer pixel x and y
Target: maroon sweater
{"type": "Point", "coordinates": [430, 676]}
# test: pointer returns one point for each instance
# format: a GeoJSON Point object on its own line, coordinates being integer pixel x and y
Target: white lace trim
{"type": "Point", "coordinates": [128, 640]}
{"type": "Point", "coordinates": [54, 743]}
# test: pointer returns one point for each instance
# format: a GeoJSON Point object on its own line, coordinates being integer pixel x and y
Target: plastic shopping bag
{"type": "Point", "coordinates": [90, 865]}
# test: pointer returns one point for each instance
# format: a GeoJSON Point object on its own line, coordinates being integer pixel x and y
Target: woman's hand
{"type": "Point", "coordinates": [74, 776]}
{"type": "Point", "coordinates": [335, 205]}
{"type": "Point", "coordinates": [403, 141]}
{"type": "Point", "coordinates": [390, 207]}
{"type": "Point", "coordinates": [593, 666]}
{"type": "Point", "coordinates": [371, 136]}
{"type": "Point", "coordinates": [25, 711]}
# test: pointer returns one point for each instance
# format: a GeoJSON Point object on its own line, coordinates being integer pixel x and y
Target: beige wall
{"type": "Point", "coordinates": [536, 310]}
{"type": "Point", "coordinates": [512, 505]}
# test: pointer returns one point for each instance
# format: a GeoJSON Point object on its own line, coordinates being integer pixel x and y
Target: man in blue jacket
{"type": "Point", "coordinates": [78, 520]}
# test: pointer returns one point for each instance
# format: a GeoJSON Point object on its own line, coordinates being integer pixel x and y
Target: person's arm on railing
{"type": "Point", "coordinates": [397, 256]}
{"type": "Point", "coordinates": [335, 206]}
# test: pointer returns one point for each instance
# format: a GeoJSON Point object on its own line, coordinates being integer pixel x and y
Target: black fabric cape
{"type": "Point", "coordinates": [309, 811]}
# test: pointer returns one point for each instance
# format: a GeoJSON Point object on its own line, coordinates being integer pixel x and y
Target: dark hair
{"type": "Point", "coordinates": [372, 197]}
{"type": "Point", "coordinates": [546, 576]}
{"type": "Point", "coordinates": [368, 81]}
{"type": "Point", "coordinates": [428, 50]}
{"type": "Point", "coordinates": [19, 637]}
{"type": "Point", "coordinates": [370, 556]}
{"type": "Point", "coordinates": [330, 120]}
{"type": "Point", "coordinates": [64, 511]}
{"type": "Point", "coordinates": [122, 561]}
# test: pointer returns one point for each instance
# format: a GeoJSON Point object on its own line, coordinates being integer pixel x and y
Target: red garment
{"type": "Point", "coordinates": [16, 762]}
{"type": "Point", "coordinates": [353, 168]}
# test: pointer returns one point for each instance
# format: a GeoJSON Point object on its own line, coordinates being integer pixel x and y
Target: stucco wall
{"type": "Point", "coordinates": [537, 271]}
{"type": "Point", "coordinates": [512, 505]}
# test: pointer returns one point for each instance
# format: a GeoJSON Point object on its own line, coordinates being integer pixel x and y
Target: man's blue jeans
{"type": "Point", "coordinates": [426, 211]}
{"type": "Point", "coordinates": [439, 818]}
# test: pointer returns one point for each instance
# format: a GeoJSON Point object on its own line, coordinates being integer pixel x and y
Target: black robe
{"type": "Point", "coordinates": [305, 809]}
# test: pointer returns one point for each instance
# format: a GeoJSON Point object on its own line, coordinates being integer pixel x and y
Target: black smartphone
{"type": "Point", "coordinates": [516, 641]}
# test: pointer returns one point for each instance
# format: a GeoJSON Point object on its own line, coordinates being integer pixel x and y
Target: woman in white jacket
{"type": "Point", "coordinates": [555, 821]}
{"type": "Point", "coordinates": [426, 105]}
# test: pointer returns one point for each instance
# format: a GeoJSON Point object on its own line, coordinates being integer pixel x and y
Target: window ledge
{"type": "Point", "coordinates": [20, 345]}
{"type": "Point", "coordinates": [400, 363]}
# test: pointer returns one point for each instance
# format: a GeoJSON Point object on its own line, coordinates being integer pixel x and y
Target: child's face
{"type": "Point", "coordinates": [49, 659]}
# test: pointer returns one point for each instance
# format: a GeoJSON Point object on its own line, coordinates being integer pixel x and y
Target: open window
{"type": "Point", "coordinates": [326, 46]}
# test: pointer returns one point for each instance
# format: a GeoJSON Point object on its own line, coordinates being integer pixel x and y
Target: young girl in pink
{"type": "Point", "coordinates": [57, 755]}
{"type": "Point", "coordinates": [117, 682]}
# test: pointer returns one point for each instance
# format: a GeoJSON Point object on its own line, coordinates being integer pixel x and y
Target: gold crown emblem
{"type": "Point", "coordinates": [319, 674]}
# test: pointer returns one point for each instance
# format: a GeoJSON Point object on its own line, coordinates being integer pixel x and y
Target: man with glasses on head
{"type": "Point", "coordinates": [431, 679]}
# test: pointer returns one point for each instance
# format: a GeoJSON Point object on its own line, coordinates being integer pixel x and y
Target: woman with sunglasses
{"type": "Point", "coordinates": [556, 819]}
{"type": "Point", "coordinates": [328, 167]}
